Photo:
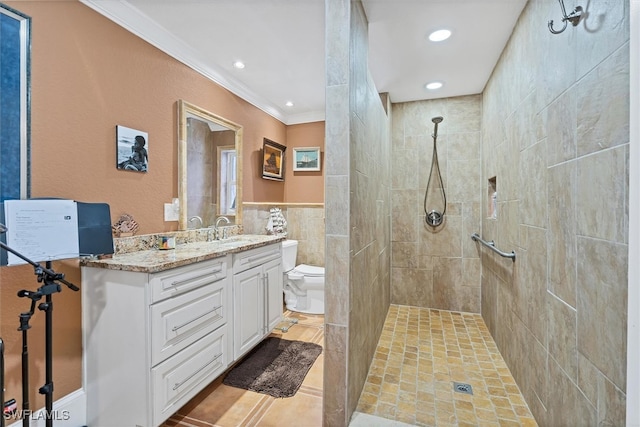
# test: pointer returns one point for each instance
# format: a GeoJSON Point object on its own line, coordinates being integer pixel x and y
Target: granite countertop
{"type": "Point", "coordinates": [155, 260]}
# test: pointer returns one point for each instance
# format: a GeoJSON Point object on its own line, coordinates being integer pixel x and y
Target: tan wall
{"type": "Point", "coordinates": [304, 187]}
{"type": "Point", "coordinates": [89, 75]}
{"type": "Point", "coordinates": [556, 138]}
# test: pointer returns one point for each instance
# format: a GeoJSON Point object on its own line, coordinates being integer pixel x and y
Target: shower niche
{"type": "Point", "coordinates": [492, 198]}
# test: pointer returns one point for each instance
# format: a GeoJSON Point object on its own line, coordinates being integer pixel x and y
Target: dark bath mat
{"type": "Point", "coordinates": [275, 367]}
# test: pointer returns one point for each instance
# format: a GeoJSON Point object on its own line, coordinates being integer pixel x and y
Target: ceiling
{"type": "Point", "coordinates": [281, 43]}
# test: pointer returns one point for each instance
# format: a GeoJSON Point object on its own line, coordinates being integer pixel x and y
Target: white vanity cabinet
{"type": "Point", "coordinates": [257, 296]}
{"type": "Point", "coordinates": [152, 341]}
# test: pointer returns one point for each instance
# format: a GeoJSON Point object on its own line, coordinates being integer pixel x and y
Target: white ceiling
{"type": "Point", "coordinates": [282, 44]}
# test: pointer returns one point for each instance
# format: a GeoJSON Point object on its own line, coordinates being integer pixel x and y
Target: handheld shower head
{"type": "Point", "coordinates": [438, 119]}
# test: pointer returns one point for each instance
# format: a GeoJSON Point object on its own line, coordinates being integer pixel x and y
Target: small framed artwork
{"type": "Point", "coordinates": [272, 160]}
{"type": "Point", "coordinates": [306, 159]}
{"type": "Point", "coordinates": [132, 149]}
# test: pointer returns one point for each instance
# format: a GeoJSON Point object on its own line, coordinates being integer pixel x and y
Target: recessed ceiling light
{"type": "Point", "coordinates": [433, 85]}
{"type": "Point", "coordinates": [440, 35]}
{"type": "Point", "coordinates": [239, 65]}
{"type": "Point", "coordinates": [289, 104]}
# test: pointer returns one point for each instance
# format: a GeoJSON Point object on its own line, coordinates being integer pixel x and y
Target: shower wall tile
{"type": "Point", "coordinates": [600, 195]}
{"type": "Point", "coordinates": [358, 204]}
{"type": "Point", "coordinates": [529, 286]}
{"type": "Point", "coordinates": [603, 104]}
{"type": "Point", "coordinates": [405, 254]}
{"type": "Point", "coordinates": [337, 280]}
{"type": "Point", "coordinates": [561, 140]}
{"type": "Point", "coordinates": [561, 239]}
{"type": "Point", "coordinates": [562, 333]}
{"type": "Point", "coordinates": [566, 404]}
{"type": "Point", "coordinates": [611, 18]}
{"type": "Point", "coordinates": [471, 223]}
{"type": "Point", "coordinates": [464, 146]}
{"type": "Point", "coordinates": [337, 36]}
{"type": "Point", "coordinates": [446, 242]}
{"type": "Point", "coordinates": [555, 133]}
{"type": "Point", "coordinates": [337, 202]}
{"type": "Point", "coordinates": [588, 379]}
{"type": "Point", "coordinates": [335, 376]}
{"type": "Point", "coordinates": [405, 215]}
{"type": "Point", "coordinates": [464, 114]}
{"type": "Point", "coordinates": [463, 180]}
{"type": "Point", "coordinates": [533, 185]}
{"type": "Point", "coordinates": [602, 306]}
{"type": "Point", "coordinates": [337, 130]}
{"type": "Point", "coordinates": [405, 162]}
{"type": "Point", "coordinates": [611, 404]}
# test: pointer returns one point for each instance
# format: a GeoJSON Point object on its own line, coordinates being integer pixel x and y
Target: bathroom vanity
{"type": "Point", "coordinates": [159, 326]}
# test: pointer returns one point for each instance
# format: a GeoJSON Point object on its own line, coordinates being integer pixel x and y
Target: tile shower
{"type": "Point", "coordinates": [550, 135]}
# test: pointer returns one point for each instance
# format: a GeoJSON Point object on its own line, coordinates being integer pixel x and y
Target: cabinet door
{"type": "Point", "coordinates": [273, 294]}
{"type": "Point", "coordinates": [248, 310]}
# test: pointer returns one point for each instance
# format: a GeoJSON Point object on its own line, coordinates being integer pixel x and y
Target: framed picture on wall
{"type": "Point", "coordinates": [132, 149]}
{"type": "Point", "coordinates": [272, 160]}
{"type": "Point", "coordinates": [306, 159]}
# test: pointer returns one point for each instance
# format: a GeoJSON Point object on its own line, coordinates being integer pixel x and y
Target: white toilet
{"type": "Point", "coordinates": [303, 284]}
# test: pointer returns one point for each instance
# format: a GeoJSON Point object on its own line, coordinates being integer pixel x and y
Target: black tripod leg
{"type": "Point", "coordinates": [2, 381]}
{"type": "Point", "coordinates": [47, 388]}
{"type": "Point", "coordinates": [25, 375]}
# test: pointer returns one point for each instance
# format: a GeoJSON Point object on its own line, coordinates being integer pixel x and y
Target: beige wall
{"type": "Point", "coordinates": [358, 209]}
{"type": "Point", "coordinates": [556, 137]}
{"type": "Point", "coordinates": [304, 187]}
{"type": "Point", "coordinates": [89, 75]}
{"type": "Point", "coordinates": [436, 267]}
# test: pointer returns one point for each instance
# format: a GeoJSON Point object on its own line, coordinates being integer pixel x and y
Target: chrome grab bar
{"type": "Point", "coordinates": [491, 245]}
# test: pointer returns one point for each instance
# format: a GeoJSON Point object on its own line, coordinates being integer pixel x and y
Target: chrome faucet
{"type": "Point", "coordinates": [198, 218]}
{"type": "Point", "coordinates": [218, 220]}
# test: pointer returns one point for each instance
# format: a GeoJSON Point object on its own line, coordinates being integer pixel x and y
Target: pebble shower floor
{"type": "Point", "coordinates": [422, 353]}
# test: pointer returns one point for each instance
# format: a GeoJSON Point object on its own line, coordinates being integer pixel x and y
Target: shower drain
{"type": "Point", "coordinates": [462, 388]}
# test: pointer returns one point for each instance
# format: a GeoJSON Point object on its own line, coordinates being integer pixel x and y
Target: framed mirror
{"type": "Point", "coordinates": [209, 168]}
{"type": "Point", "coordinates": [15, 91]}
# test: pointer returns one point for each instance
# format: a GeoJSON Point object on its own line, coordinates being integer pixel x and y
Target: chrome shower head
{"type": "Point", "coordinates": [437, 119]}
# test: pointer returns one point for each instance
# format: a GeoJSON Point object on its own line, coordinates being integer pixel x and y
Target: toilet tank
{"type": "Point", "coordinates": [289, 253]}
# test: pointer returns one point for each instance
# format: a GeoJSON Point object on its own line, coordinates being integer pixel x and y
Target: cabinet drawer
{"type": "Point", "coordinates": [182, 279]}
{"type": "Point", "coordinates": [180, 321]}
{"type": "Point", "coordinates": [253, 257]}
{"type": "Point", "coordinates": [175, 381]}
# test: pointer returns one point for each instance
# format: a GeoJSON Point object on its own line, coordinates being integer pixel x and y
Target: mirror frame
{"type": "Point", "coordinates": [187, 110]}
{"type": "Point", "coordinates": [19, 182]}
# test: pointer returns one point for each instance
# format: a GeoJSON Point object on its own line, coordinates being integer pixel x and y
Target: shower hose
{"type": "Point", "coordinates": [433, 217]}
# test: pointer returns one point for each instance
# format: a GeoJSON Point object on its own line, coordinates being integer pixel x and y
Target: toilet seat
{"type": "Point", "coordinates": [309, 270]}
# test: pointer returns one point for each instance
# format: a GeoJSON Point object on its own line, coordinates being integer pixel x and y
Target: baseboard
{"type": "Point", "coordinates": [69, 411]}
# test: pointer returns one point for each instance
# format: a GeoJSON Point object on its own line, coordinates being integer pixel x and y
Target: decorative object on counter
{"type": "Point", "coordinates": [277, 223]}
{"type": "Point", "coordinates": [272, 160]}
{"type": "Point", "coordinates": [166, 242]}
{"type": "Point", "coordinates": [306, 159]}
{"type": "Point", "coordinates": [125, 226]}
{"type": "Point", "coordinates": [132, 149]}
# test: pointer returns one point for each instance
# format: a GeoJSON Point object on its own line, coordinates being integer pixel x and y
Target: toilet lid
{"type": "Point", "coordinates": [309, 270]}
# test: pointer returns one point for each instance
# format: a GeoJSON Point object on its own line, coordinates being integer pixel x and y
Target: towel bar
{"type": "Point", "coordinates": [491, 245]}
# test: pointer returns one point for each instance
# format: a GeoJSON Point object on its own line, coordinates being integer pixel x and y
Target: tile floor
{"type": "Point", "coordinates": [420, 354]}
{"type": "Point", "coordinates": [223, 406]}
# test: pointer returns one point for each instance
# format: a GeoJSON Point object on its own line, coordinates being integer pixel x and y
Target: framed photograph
{"type": "Point", "coordinates": [132, 149]}
{"type": "Point", "coordinates": [272, 160]}
{"type": "Point", "coordinates": [306, 159]}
